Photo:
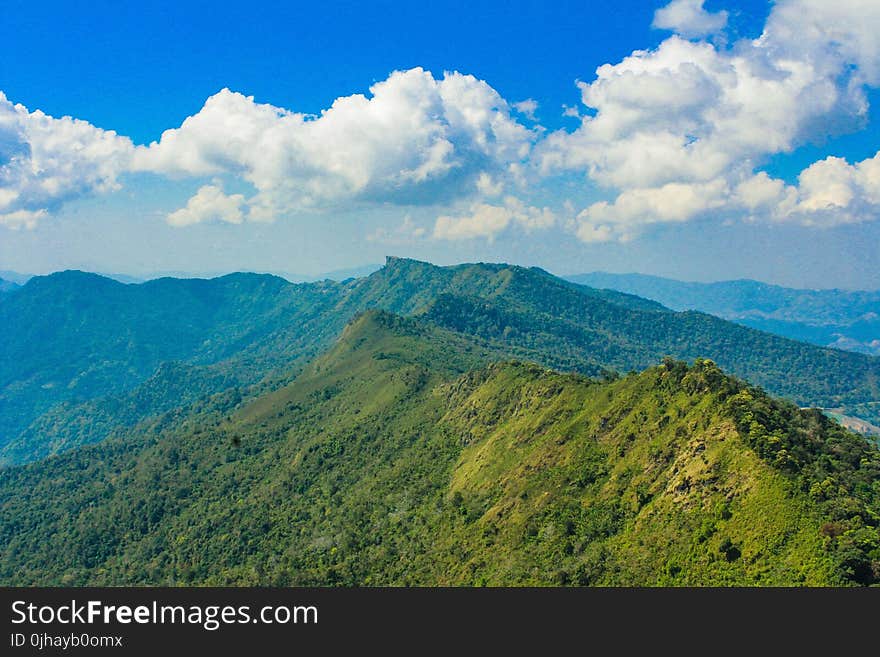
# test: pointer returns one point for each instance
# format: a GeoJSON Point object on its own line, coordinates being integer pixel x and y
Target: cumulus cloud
{"type": "Point", "coordinates": [487, 186]}
{"type": "Point", "coordinates": [828, 193]}
{"type": "Point", "coordinates": [672, 203]}
{"type": "Point", "coordinates": [414, 139]}
{"type": "Point", "coordinates": [488, 221]}
{"type": "Point", "coordinates": [668, 135]}
{"type": "Point", "coordinates": [45, 162]}
{"type": "Point", "coordinates": [689, 18]}
{"type": "Point", "coordinates": [690, 122]}
{"type": "Point", "coordinates": [210, 203]}
{"type": "Point", "coordinates": [761, 192]}
{"type": "Point", "coordinates": [22, 218]}
{"type": "Point", "coordinates": [840, 36]}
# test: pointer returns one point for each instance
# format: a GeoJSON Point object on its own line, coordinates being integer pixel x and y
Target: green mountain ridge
{"type": "Point", "coordinates": [843, 319]}
{"type": "Point", "coordinates": [101, 341]}
{"type": "Point", "coordinates": [410, 454]}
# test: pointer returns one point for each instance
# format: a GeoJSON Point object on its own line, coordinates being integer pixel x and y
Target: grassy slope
{"type": "Point", "coordinates": [650, 498]}
{"type": "Point", "coordinates": [401, 457]}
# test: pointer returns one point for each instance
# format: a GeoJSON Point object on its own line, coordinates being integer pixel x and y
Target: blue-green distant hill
{"type": "Point", "coordinates": [15, 277]}
{"type": "Point", "coordinates": [835, 318]}
{"type": "Point", "coordinates": [7, 286]}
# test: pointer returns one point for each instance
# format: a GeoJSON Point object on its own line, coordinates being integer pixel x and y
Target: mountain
{"type": "Point", "coordinates": [73, 337]}
{"type": "Point", "coordinates": [7, 286]}
{"type": "Point", "coordinates": [14, 277]}
{"type": "Point", "coordinates": [836, 318]}
{"type": "Point", "coordinates": [101, 341]}
{"type": "Point", "coordinates": [349, 272]}
{"type": "Point", "coordinates": [104, 339]}
{"type": "Point", "coordinates": [410, 454]}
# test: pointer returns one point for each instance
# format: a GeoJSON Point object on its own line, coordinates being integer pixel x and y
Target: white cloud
{"type": "Point", "coordinates": [22, 218]}
{"type": "Point", "coordinates": [483, 220]}
{"type": "Point", "coordinates": [416, 139]}
{"type": "Point", "coordinates": [488, 221]}
{"type": "Point", "coordinates": [828, 193]}
{"type": "Point", "coordinates": [589, 232]}
{"type": "Point", "coordinates": [692, 116]}
{"type": "Point", "coordinates": [636, 208]}
{"type": "Point", "coordinates": [45, 162]}
{"type": "Point", "coordinates": [829, 35]}
{"type": "Point", "coordinates": [209, 204]}
{"type": "Point", "coordinates": [527, 108]}
{"type": "Point", "coordinates": [827, 185]}
{"type": "Point", "coordinates": [408, 232]}
{"type": "Point", "coordinates": [761, 192]}
{"type": "Point", "coordinates": [689, 18]}
{"type": "Point", "coordinates": [667, 135]}
{"type": "Point", "coordinates": [487, 186]}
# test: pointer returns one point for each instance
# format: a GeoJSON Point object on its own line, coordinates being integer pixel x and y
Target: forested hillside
{"type": "Point", "coordinates": [409, 454]}
{"type": "Point", "coordinates": [111, 355]}
{"type": "Point", "coordinates": [840, 318]}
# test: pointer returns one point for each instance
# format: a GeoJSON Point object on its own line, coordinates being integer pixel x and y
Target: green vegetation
{"type": "Point", "coordinates": [83, 356]}
{"type": "Point", "coordinates": [409, 454]}
{"type": "Point", "coordinates": [838, 318]}
{"type": "Point", "coordinates": [68, 425]}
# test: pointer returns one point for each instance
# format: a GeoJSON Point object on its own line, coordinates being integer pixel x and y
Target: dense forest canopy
{"type": "Point", "coordinates": [410, 454]}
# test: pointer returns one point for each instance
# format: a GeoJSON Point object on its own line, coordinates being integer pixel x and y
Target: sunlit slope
{"type": "Point", "coordinates": [410, 455]}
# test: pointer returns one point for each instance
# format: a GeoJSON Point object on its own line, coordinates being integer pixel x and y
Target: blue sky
{"type": "Point", "coordinates": [705, 157]}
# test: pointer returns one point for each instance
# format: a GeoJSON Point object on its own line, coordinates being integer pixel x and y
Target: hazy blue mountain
{"type": "Point", "coordinates": [71, 336]}
{"type": "Point", "coordinates": [7, 286]}
{"type": "Point", "coordinates": [838, 318]}
{"type": "Point", "coordinates": [15, 277]}
{"type": "Point", "coordinates": [350, 272]}
{"type": "Point", "coordinates": [125, 278]}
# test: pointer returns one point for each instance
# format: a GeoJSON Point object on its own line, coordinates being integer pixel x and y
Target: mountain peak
{"type": "Point", "coordinates": [396, 261]}
{"type": "Point", "coordinates": [73, 278]}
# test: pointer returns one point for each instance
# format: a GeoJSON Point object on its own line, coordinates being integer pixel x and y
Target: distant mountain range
{"type": "Point", "coordinates": [836, 318]}
{"type": "Point", "coordinates": [7, 277]}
